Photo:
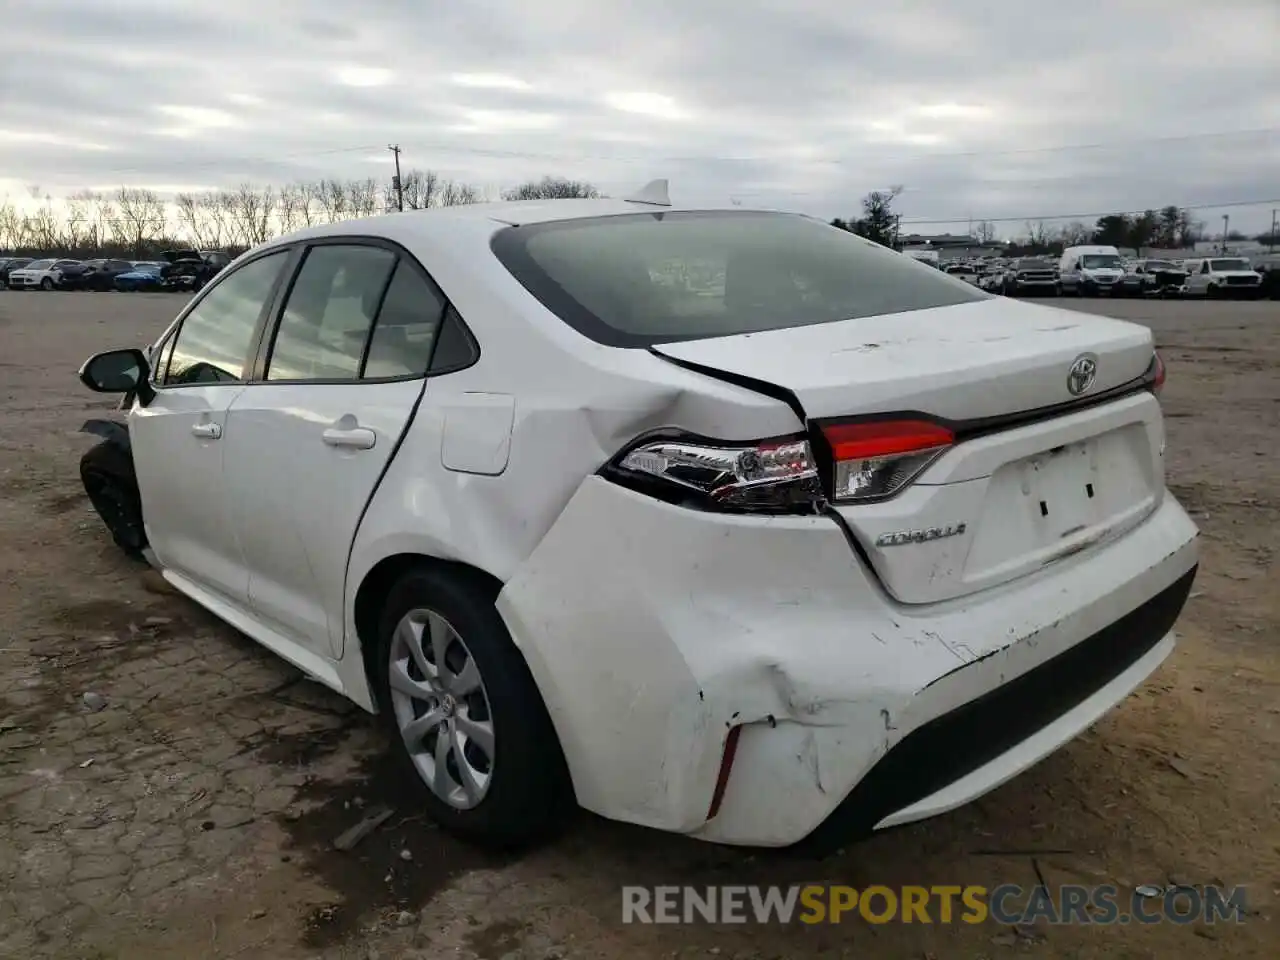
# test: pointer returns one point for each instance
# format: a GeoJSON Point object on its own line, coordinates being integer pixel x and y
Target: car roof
{"type": "Point", "coordinates": [437, 223]}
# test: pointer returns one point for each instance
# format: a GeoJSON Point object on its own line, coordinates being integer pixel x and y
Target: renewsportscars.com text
{"type": "Point", "coordinates": [1005, 904]}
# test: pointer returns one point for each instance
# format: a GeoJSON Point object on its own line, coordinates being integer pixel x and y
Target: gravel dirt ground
{"type": "Point", "coordinates": [192, 814]}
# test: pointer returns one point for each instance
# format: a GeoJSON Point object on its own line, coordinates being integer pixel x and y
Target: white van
{"type": "Point", "coordinates": [1090, 271]}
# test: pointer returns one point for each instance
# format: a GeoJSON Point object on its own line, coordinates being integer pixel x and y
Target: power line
{"type": "Point", "coordinates": [497, 153]}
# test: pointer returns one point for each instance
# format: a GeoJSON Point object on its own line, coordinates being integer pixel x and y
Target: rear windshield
{"type": "Point", "coordinates": [638, 279]}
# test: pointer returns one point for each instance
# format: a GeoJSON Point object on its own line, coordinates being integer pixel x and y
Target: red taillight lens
{"type": "Point", "coordinates": [1156, 375]}
{"type": "Point", "coordinates": [874, 460]}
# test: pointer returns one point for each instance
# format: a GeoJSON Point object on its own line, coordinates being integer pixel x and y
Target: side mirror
{"type": "Point", "coordinates": [118, 371]}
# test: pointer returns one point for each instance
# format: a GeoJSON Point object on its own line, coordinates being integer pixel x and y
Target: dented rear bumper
{"type": "Point", "coordinates": [653, 631]}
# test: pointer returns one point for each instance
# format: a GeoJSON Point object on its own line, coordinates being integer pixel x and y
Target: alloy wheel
{"type": "Point", "coordinates": [441, 708]}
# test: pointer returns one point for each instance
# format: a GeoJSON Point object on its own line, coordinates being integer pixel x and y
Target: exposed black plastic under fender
{"type": "Point", "coordinates": [112, 431]}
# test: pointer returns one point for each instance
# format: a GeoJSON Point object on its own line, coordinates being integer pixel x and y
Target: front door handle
{"type": "Point", "coordinates": [358, 438]}
{"type": "Point", "coordinates": [207, 431]}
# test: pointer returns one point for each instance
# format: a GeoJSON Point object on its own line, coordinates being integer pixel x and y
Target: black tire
{"type": "Point", "coordinates": [112, 485]}
{"type": "Point", "coordinates": [531, 795]}
{"type": "Point", "coordinates": [46, 284]}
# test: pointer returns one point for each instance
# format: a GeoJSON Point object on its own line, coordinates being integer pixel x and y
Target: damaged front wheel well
{"type": "Point", "coordinates": [377, 583]}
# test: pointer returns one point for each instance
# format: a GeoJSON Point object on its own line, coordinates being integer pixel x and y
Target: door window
{"type": "Point", "coordinates": [329, 314]}
{"type": "Point", "coordinates": [357, 313]}
{"type": "Point", "coordinates": [214, 341]}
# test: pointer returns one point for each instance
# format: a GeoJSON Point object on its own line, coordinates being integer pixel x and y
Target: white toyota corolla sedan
{"type": "Point", "coordinates": [723, 522]}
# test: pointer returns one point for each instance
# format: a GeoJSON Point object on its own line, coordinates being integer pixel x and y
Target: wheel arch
{"type": "Point", "coordinates": [377, 583]}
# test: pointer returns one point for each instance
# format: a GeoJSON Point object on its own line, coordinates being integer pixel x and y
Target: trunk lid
{"type": "Point", "coordinates": [964, 362]}
{"type": "Point", "coordinates": [1001, 503]}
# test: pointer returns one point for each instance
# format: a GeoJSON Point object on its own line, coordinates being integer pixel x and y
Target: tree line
{"type": "Point", "coordinates": [1168, 228]}
{"type": "Point", "coordinates": [136, 222]}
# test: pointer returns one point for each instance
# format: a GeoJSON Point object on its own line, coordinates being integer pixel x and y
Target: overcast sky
{"type": "Point", "coordinates": [979, 108]}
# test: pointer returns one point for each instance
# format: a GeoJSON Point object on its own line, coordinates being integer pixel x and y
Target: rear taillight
{"type": "Point", "coordinates": [875, 459]}
{"type": "Point", "coordinates": [861, 462]}
{"type": "Point", "coordinates": [1156, 374]}
{"type": "Point", "coordinates": [768, 476]}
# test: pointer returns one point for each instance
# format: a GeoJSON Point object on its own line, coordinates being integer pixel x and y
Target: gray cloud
{"type": "Point", "coordinates": [805, 104]}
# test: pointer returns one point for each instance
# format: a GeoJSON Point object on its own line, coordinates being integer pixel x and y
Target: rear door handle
{"type": "Point", "coordinates": [358, 438]}
{"type": "Point", "coordinates": [207, 431]}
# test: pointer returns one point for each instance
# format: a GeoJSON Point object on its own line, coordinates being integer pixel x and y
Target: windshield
{"type": "Point", "coordinates": [1219, 265]}
{"type": "Point", "coordinates": [40, 265]}
{"type": "Point", "coordinates": [1161, 265]}
{"type": "Point", "coordinates": [637, 279]}
{"type": "Point", "coordinates": [1034, 265]}
{"type": "Point", "coordinates": [1094, 261]}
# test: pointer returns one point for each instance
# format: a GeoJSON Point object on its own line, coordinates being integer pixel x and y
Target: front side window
{"type": "Point", "coordinates": [638, 279]}
{"type": "Point", "coordinates": [329, 314]}
{"type": "Point", "coordinates": [213, 343]}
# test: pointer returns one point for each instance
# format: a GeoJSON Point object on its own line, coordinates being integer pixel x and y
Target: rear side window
{"type": "Point", "coordinates": [638, 279]}
{"type": "Point", "coordinates": [329, 313]}
{"type": "Point", "coordinates": [407, 325]}
{"type": "Point", "coordinates": [363, 312]}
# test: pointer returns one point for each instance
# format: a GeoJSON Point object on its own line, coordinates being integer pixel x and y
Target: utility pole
{"type": "Point", "coordinates": [1271, 238]}
{"type": "Point", "coordinates": [395, 148]}
{"type": "Point", "coordinates": [1226, 221]}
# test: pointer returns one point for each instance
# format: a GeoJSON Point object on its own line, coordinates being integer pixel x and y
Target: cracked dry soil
{"type": "Point", "coordinates": [192, 814]}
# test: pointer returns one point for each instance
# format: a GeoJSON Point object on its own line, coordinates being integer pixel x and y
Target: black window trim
{"type": "Point", "coordinates": [509, 247]}
{"type": "Point", "coordinates": [266, 334]}
{"type": "Point", "coordinates": [291, 253]}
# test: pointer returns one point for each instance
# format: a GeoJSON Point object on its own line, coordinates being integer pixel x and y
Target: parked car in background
{"type": "Point", "coordinates": [963, 271]}
{"type": "Point", "coordinates": [1268, 268]}
{"type": "Point", "coordinates": [1224, 277]}
{"type": "Point", "coordinates": [143, 276]}
{"type": "Point", "coordinates": [8, 266]}
{"type": "Point", "coordinates": [1089, 271]}
{"type": "Point", "coordinates": [40, 274]}
{"type": "Point", "coordinates": [96, 275]}
{"type": "Point", "coordinates": [190, 270]}
{"type": "Point", "coordinates": [1031, 275]}
{"type": "Point", "coordinates": [1162, 278]}
{"type": "Point", "coordinates": [427, 458]}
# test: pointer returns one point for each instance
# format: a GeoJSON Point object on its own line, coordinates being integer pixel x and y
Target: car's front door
{"type": "Point", "coordinates": [310, 438]}
{"type": "Point", "coordinates": [179, 435]}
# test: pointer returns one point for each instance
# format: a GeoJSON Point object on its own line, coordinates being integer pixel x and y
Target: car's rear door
{"type": "Point", "coordinates": [178, 437]}
{"type": "Point", "coordinates": [336, 385]}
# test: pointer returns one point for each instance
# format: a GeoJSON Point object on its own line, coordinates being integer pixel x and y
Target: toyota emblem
{"type": "Point", "coordinates": [1082, 373]}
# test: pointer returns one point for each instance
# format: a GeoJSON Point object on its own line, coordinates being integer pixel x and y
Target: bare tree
{"type": "Point", "coordinates": [140, 218]}
{"type": "Point", "coordinates": [551, 188]}
{"type": "Point", "coordinates": [1076, 233]}
{"type": "Point", "coordinates": [78, 226]}
{"type": "Point", "coordinates": [421, 188]}
{"type": "Point", "coordinates": [362, 197]}
{"type": "Point", "coordinates": [42, 227]}
{"type": "Point", "coordinates": [453, 193]}
{"type": "Point", "coordinates": [332, 197]}
{"type": "Point", "coordinates": [1038, 233]}
{"type": "Point", "coordinates": [984, 231]}
{"type": "Point", "coordinates": [251, 211]}
{"type": "Point", "coordinates": [10, 226]}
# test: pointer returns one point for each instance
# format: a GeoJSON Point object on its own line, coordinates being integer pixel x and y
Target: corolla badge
{"type": "Point", "coordinates": [900, 537]}
{"type": "Point", "coordinates": [1082, 373]}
